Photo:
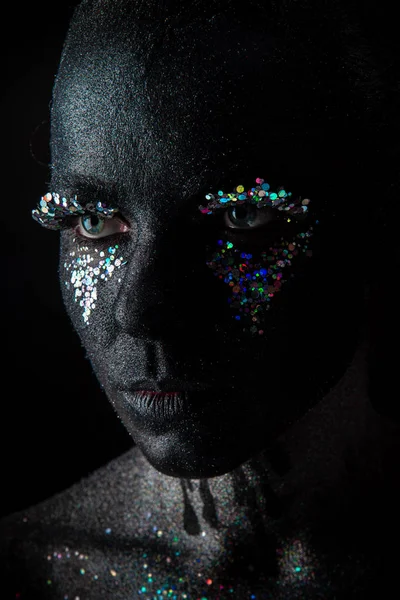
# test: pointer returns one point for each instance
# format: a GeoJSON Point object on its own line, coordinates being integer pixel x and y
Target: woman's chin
{"type": "Point", "coordinates": [176, 456]}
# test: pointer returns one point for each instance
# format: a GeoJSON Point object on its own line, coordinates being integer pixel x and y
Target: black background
{"type": "Point", "coordinates": [56, 424]}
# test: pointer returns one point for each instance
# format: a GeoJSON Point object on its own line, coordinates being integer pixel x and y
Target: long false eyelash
{"type": "Point", "coordinates": [54, 212]}
{"type": "Point", "coordinates": [259, 196]}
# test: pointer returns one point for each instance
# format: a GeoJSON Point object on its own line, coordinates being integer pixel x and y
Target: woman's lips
{"type": "Point", "coordinates": [164, 411]}
{"type": "Point", "coordinates": [166, 385]}
{"type": "Point", "coordinates": [159, 408]}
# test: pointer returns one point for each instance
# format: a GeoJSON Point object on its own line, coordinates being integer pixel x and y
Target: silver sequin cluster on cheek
{"type": "Point", "coordinates": [86, 270]}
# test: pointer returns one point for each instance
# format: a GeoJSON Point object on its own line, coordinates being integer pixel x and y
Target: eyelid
{"type": "Point", "coordinates": [55, 211]}
{"type": "Point", "coordinates": [296, 210]}
{"type": "Point", "coordinates": [266, 212]}
{"type": "Point", "coordinates": [260, 196]}
{"type": "Point", "coordinates": [108, 220]}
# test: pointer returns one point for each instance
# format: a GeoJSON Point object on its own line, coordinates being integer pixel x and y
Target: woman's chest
{"type": "Point", "coordinates": [115, 571]}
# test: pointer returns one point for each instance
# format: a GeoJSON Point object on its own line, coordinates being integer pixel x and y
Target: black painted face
{"type": "Point", "coordinates": [242, 310]}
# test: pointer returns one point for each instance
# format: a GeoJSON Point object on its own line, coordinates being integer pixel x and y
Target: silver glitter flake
{"type": "Point", "coordinates": [86, 271]}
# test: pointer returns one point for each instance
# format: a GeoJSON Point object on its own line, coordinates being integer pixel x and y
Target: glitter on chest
{"type": "Point", "coordinates": [156, 576]}
{"type": "Point", "coordinates": [87, 270]}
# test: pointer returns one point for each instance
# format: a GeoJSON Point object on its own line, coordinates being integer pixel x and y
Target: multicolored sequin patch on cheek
{"type": "Point", "coordinates": [86, 270]}
{"type": "Point", "coordinates": [254, 283]}
{"type": "Point", "coordinates": [255, 280]}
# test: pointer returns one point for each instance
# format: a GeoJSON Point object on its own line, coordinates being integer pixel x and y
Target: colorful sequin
{"type": "Point", "coordinates": [87, 271]}
{"type": "Point", "coordinates": [52, 210]}
{"type": "Point", "coordinates": [296, 560]}
{"type": "Point", "coordinates": [254, 281]}
{"type": "Point", "coordinates": [259, 196]}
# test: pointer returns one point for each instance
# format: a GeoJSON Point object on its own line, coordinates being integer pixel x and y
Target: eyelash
{"type": "Point", "coordinates": [272, 219]}
{"type": "Point", "coordinates": [116, 218]}
{"type": "Point", "coordinates": [220, 217]}
{"type": "Point", "coordinates": [56, 212]}
{"type": "Point", "coordinates": [282, 204]}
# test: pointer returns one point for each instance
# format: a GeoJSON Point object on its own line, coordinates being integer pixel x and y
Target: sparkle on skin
{"type": "Point", "coordinates": [253, 283]}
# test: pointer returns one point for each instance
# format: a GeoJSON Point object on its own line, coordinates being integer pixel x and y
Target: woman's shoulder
{"type": "Point", "coordinates": [65, 536]}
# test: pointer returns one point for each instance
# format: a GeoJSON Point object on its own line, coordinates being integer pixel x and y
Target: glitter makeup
{"type": "Point", "coordinates": [52, 210]}
{"type": "Point", "coordinates": [254, 281]}
{"type": "Point", "coordinates": [86, 268]}
{"type": "Point", "coordinates": [260, 196]}
{"type": "Point", "coordinates": [75, 569]}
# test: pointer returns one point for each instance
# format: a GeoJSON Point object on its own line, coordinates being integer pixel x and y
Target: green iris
{"type": "Point", "coordinates": [243, 215]}
{"type": "Point", "coordinates": [93, 224]}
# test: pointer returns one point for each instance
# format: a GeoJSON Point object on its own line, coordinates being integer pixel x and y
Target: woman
{"type": "Point", "coordinates": [211, 178]}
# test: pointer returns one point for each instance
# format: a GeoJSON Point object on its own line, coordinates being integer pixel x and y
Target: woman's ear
{"type": "Point", "coordinates": [383, 359]}
{"type": "Point", "coordinates": [39, 144]}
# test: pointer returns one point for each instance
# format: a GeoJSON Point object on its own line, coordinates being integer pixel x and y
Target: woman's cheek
{"type": "Point", "coordinates": [255, 279]}
{"type": "Point", "coordinates": [85, 270]}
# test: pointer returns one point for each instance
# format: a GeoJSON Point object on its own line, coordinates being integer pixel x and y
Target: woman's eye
{"type": "Point", "coordinates": [247, 216]}
{"type": "Point", "coordinates": [95, 226]}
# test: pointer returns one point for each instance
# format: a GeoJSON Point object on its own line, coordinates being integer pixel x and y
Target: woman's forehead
{"type": "Point", "coordinates": [187, 110]}
{"type": "Point", "coordinates": [112, 124]}
{"type": "Point", "coordinates": [118, 130]}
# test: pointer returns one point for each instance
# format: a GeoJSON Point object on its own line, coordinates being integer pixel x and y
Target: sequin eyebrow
{"type": "Point", "coordinates": [53, 210]}
{"type": "Point", "coordinates": [260, 196]}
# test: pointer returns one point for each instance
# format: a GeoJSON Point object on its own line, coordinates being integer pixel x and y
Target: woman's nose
{"type": "Point", "coordinates": [168, 291]}
{"type": "Point", "coordinates": [141, 304]}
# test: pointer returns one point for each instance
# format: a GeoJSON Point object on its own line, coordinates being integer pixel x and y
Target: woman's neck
{"type": "Point", "coordinates": [279, 492]}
